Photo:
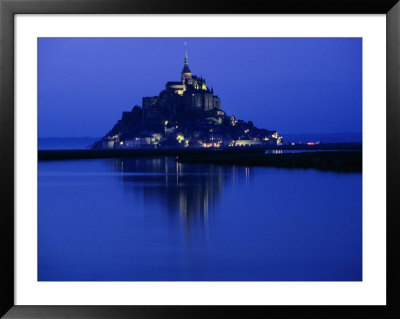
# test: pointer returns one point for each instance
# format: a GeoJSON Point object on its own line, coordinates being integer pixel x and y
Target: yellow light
{"type": "Point", "coordinates": [166, 122]}
{"type": "Point", "coordinates": [121, 143]}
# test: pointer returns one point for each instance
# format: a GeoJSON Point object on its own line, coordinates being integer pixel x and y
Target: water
{"type": "Point", "coordinates": [66, 143]}
{"type": "Point", "coordinates": [151, 219]}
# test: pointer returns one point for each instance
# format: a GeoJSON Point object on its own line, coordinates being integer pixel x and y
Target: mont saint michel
{"type": "Point", "coordinates": [233, 160]}
{"type": "Point", "coordinates": [186, 114]}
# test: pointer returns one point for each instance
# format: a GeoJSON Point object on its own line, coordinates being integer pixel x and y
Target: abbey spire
{"type": "Point", "coordinates": [186, 73]}
{"type": "Point", "coordinates": [186, 57]}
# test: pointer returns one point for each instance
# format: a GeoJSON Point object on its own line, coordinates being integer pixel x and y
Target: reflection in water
{"type": "Point", "coordinates": [275, 151]}
{"type": "Point", "coordinates": [187, 189]}
{"type": "Point", "coordinates": [153, 219]}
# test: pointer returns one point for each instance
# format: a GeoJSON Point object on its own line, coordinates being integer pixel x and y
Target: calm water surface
{"type": "Point", "coordinates": [152, 219]}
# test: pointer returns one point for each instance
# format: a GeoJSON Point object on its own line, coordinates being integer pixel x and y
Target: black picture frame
{"type": "Point", "coordinates": [8, 8]}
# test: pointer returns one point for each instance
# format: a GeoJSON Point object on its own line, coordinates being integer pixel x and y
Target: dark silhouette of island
{"type": "Point", "coordinates": [186, 121]}
{"type": "Point", "coordinates": [186, 114]}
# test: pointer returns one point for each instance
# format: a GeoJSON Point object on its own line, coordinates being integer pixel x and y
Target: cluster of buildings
{"type": "Point", "coordinates": [185, 114]}
{"type": "Point", "coordinates": [190, 93]}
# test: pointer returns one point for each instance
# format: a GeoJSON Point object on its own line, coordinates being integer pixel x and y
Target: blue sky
{"type": "Point", "coordinates": [293, 85]}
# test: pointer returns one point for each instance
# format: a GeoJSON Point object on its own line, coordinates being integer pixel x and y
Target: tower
{"type": "Point", "coordinates": [186, 73]}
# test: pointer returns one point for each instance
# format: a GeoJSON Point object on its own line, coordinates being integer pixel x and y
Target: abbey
{"type": "Point", "coordinates": [190, 94]}
{"type": "Point", "coordinates": [184, 114]}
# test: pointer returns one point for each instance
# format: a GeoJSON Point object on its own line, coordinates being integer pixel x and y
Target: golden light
{"type": "Point", "coordinates": [180, 138]}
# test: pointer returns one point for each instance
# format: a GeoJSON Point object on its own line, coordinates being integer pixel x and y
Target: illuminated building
{"type": "Point", "coordinates": [191, 93]}
{"type": "Point", "coordinates": [185, 114]}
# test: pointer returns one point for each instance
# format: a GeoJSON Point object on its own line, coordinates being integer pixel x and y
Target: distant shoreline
{"type": "Point", "coordinates": [70, 154]}
{"type": "Point", "coordinates": [338, 161]}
